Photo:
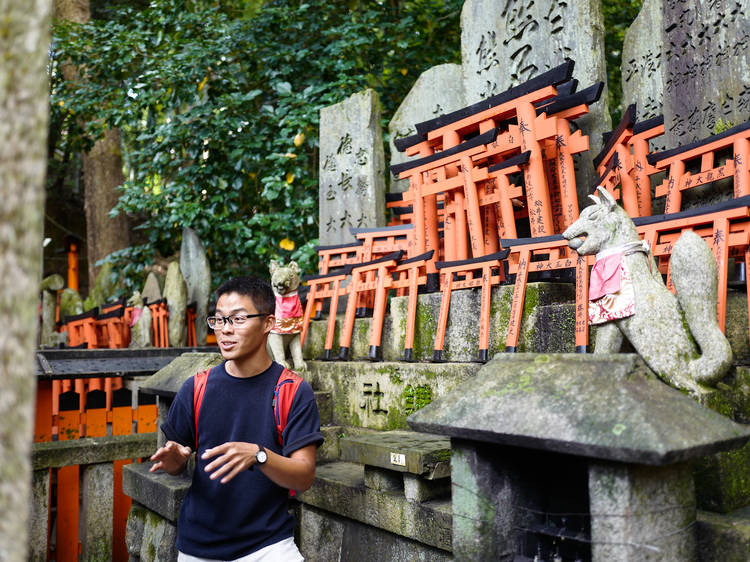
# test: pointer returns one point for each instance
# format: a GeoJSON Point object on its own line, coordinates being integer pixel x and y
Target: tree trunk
{"type": "Point", "coordinates": [102, 171]}
{"type": "Point", "coordinates": [102, 174]}
{"type": "Point", "coordinates": [24, 114]}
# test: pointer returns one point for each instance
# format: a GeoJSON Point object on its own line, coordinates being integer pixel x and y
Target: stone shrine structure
{"type": "Point", "coordinates": [352, 183]}
{"type": "Point", "coordinates": [197, 274]}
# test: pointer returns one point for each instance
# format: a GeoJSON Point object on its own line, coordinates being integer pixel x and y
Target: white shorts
{"type": "Point", "coordinates": [282, 551]}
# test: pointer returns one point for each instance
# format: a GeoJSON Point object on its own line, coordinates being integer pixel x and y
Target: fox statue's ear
{"type": "Point", "coordinates": [595, 199]}
{"type": "Point", "coordinates": [273, 267]}
{"type": "Point", "coordinates": [606, 197]}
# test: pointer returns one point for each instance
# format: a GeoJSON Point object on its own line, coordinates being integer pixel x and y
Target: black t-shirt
{"type": "Point", "coordinates": [228, 521]}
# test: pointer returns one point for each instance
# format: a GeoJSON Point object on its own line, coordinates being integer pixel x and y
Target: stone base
{"type": "Point", "coordinates": [554, 332]}
{"type": "Point", "coordinates": [339, 489]}
{"type": "Point", "coordinates": [325, 537]}
{"type": "Point", "coordinates": [150, 537]}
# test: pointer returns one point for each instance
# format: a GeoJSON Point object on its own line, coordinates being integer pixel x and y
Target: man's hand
{"type": "Point", "coordinates": [232, 458]}
{"type": "Point", "coordinates": [171, 458]}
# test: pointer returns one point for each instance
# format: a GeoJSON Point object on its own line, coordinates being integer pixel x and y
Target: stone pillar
{"type": "Point", "coordinates": [197, 273]}
{"type": "Point", "coordinates": [175, 291]}
{"type": "Point", "coordinates": [484, 500]}
{"type": "Point", "coordinates": [504, 44]}
{"type": "Point", "coordinates": [39, 516]}
{"type": "Point", "coordinates": [437, 91]}
{"type": "Point", "coordinates": [642, 512]}
{"type": "Point", "coordinates": [96, 513]}
{"type": "Point", "coordinates": [352, 183]}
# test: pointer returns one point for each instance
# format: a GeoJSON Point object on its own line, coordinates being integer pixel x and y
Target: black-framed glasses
{"type": "Point", "coordinates": [237, 320]}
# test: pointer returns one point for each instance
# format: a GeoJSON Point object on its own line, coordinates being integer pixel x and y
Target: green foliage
{"type": "Point", "coordinates": [219, 111]}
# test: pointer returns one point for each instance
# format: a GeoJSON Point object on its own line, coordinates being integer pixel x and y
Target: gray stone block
{"type": "Point", "coordinates": [97, 510]}
{"type": "Point", "coordinates": [642, 513]}
{"type": "Point", "coordinates": [339, 488]}
{"type": "Point", "coordinates": [159, 492]}
{"type": "Point", "coordinates": [38, 517]}
{"type": "Point", "coordinates": [418, 489]}
{"type": "Point", "coordinates": [92, 450]}
{"type": "Point", "coordinates": [168, 380]}
{"type": "Point", "coordinates": [400, 451]}
{"type": "Point", "coordinates": [325, 537]}
{"type": "Point", "coordinates": [159, 540]}
{"type": "Point", "coordinates": [325, 407]}
{"type": "Point", "coordinates": [134, 529]}
{"type": "Point", "coordinates": [383, 480]}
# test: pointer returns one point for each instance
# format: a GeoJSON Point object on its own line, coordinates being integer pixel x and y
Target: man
{"type": "Point", "coordinates": [236, 508]}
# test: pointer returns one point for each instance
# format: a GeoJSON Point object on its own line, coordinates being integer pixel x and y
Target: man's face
{"type": "Point", "coordinates": [241, 342]}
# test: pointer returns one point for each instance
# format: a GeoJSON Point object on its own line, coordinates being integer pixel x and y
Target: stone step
{"type": "Point", "coordinates": [340, 488]}
{"type": "Point", "coordinates": [420, 454]}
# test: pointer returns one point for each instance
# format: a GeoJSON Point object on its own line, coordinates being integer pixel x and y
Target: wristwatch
{"type": "Point", "coordinates": [261, 456]}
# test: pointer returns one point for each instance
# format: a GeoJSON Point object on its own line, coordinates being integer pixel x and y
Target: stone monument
{"type": "Point", "coordinates": [689, 60]}
{"type": "Point", "coordinates": [151, 289]}
{"type": "Point", "coordinates": [50, 337]}
{"type": "Point", "coordinates": [197, 273]}
{"type": "Point", "coordinates": [175, 291]}
{"type": "Point", "coordinates": [504, 44]}
{"type": "Point", "coordinates": [437, 91]}
{"type": "Point", "coordinates": [352, 183]}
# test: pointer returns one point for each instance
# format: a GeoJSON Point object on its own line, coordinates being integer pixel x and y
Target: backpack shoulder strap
{"type": "Point", "coordinates": [199, 389]}
{"type": "Point", "coordinates": [283, 396]}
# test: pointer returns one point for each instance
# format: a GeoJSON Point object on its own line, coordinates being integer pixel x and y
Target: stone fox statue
{"type": "Point", "coordinates": [679, 337]}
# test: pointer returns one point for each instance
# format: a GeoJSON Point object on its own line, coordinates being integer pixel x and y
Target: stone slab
{"type": "Point", "coordinates": [400, 451]}
{"type": "Point", "coordinates": [339, 489]}
{"type": "Point", "coordinates": [608, 407]}
{"type": "Point", "coordinates": [382, 395]}
{"type": "Point", "coordinates": [97, 511]}
{"type": "Point", "coordinates": [159, 492]}
{"type": "Point", "coordinates": [39, 516]}
{"type": "Point", "coordinates": [325, 537]}
{"type": "Point", "coordinates": [92, 450]}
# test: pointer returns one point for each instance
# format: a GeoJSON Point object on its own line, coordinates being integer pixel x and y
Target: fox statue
{"type": "Point", "coordinates": [678, 336]}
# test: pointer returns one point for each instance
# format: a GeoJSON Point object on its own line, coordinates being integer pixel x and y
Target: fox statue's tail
{"type": "Point", "coordinates": [694, 275]}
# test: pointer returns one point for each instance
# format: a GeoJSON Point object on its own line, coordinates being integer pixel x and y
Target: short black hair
{"type": "Point", "coordinates": [259, 291]}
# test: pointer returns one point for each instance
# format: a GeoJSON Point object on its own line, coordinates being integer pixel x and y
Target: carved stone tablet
{"type": "Point", "coordinates": [437, 91]}
{"type": "Point", "coordinates": [505, 43]}
{"type": "Point", "coordinates": [352, 184]}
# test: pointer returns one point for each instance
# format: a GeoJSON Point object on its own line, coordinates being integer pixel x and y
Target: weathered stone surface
{"type": "Point", "coordinates": [97, 510]}
{"type": "Point", "coordinates": [152, 288]}
{"type": "Point", "coordinates": [49, 336]}
{"type": "Point", "coordinates": [168, 380]}
{"type": "Point", "coordinates": [140, 332]}
{"type": "Point", "coordinates": [723, 537]}
{"type": "Point", "coordinates": [175, 291]}
{"type": "Point", "coordinates": [159, 492]}
{"type": "Point", "coordinates": [39, 515]}
{"type": "Point", "coordinates": [504, 44]}
{"type": "Point", "coordinates": [197, 273]}
{"type": "Point", "coordinates": [325, 407]}
{"type": "Point", "coordinates": [382, 395]}
{"type": "Point", "coordinates": [462, 332]}
{"type": "Point", "coordinates": [134, 529]}
{"type": "Point", "coordinates": [641, 513]}
{"type": "Point", "coordinates": [339, 488]}
{"type": "Point", "coordinates": [70, 303]}
{"type": "Point", "coordinates": [159, 540]}
{"type": "Point", "coordinates": [331, 449]}
{"type": "Point", "coordinates": [437, 91]}
{"type": "Point", "coordinates": [92, 450]}
{"type": "Point", "coordinates": [103, 289]}
{"type": "Point", "coordinates": [737, 329]}
{"type": "Point", "coordinates": [326, 537]}
{"type": "Point", "coordinates": [54, 282]}
{"type": "Point", "coordinates": [383, 480]}
{"type": "Point", "coordinates": [352, 165]}
{"type": "Point", "coordinates": [400, 451]}
{"type": "Point", "coordinates": [601, 406]}
{"type": "Point", "coordinates": [418, 489]}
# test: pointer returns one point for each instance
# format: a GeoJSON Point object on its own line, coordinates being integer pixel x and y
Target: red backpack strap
{"type": "Point", "coordinates": [199, 389]}
{"type": "Point", "coordinates": [283, 396]}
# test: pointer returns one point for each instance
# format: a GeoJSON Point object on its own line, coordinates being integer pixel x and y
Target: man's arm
{"type": "Point", "coordinates": [297, 471]}
{"type": "Point", "coordinates": [171, 458]}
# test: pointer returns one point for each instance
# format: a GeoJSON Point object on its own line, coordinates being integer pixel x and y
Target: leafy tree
{"type": "Point", "coordinates": [219, 111]}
